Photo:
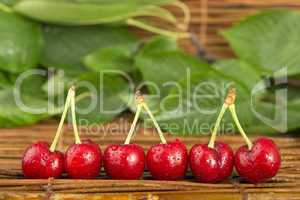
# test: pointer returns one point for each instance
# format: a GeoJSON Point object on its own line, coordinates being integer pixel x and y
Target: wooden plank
{"type": "Point", "coordinates": [14, 186]}
{"type": "Point", "coordinates": [153, 196]}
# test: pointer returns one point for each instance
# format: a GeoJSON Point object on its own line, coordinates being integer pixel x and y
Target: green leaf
{"type": "Point", "coordinates": [264, 105]}
{"type": "Point", "coordinates": [273, 117]}
{"type": "Point", "coordinates": [65, 47]}
{"type": "Point", "coordinates": [293, 108]}
{"type": "Point", "coordinates": [293, 93]}
{"type": "Point", "coordinates": [104, 103]}
{"type": "Point", "coordinates": [20, 43]}
{"type": "Point", "coordinates": [111, 58]}
{"type": "Point", "coordinates": [57, 84]}
{"type": "Point", "coordinates": [24, 103]}
{"type": "Point", "coordinates": [98, 95]}
{"type": "Point", "coordinates": [162, 66]}
{"type": "Point", "coordinates": [4, 80]}
{"type": "Point", "coordinates": [240, 71]}
{"type": "Point", "coordinates": [159, 44]}
{"type": "Point", "coordinates": [11, 115]}
{"type": "Point", "coordinates": [31, 85]}
{"type": "Point", "coordinates": [8, 2]}
{"type": "Point", "coordinates": [91, 11]}
{"type": "Point", "coordinates": [269, 41]}
{"type": "Point", "coordinates": [192, 107]}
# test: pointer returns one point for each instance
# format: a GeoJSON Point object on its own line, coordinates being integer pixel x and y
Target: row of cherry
{"type": "Point", "coordinates": [213, 162]}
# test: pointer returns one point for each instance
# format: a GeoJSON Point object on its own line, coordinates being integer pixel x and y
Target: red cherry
{"type": "Point", "coordinates": [125, 161]}
{"type": "Point", "coordinates": [211, 165]}
{"type": "Point", "coordinates": [167, 161]}
{"type": "Point", "coordinates": [40, 163]}
{"type": "Point", "coordinates": [83, 161]}
{"type": "Point", "coordinates": [260, 163]}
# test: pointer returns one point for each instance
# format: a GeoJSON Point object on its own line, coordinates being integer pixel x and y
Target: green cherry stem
{"type": "Point", "coordinates": [236, 120]}
{"type": "Point", "coordinates": [82, 96]}
{"type": "Point", "coordinates": [153, 29]}
{"type": "Point", "coordinates": [61, 123]}
{"type": "Point", "coordinates": [217, 125]}
{"type": "Point", "coordinates": [141, 100]}
{"type": "Point", "coordinates": [133, 125]}
{"type": "Point", "coordinates": [73, 113]}
{"type": "Point", "coordinates": [230, 100]}
{"type": "Point", "coordinates": [79, 98]}
{"type": "Point", "coordinates": [187, 14]}
{"type": "Point", "coordinates": [160, 133]}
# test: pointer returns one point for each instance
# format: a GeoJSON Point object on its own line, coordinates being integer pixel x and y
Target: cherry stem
{"type": "Point", "coordinates": [77, 99]}
{"type": "Point", "coordinates": [230, 100]}
{"type": "Point", "coordinates": [217, 125]}
{"type": "Point", "coordinates": [161, 135]}
{"type": "Point", "coordinates": [82, 96]}
{"type": "Point", "coordinates": [133, 125]}
{"type": "Point", "coordinates": [236, 120]}
{"type": "Point", "coordinates": [73, 113]}
{"type": "Point", "coordinates": [153, 29]}
{"type": "Point", "coordinates": [141, 101]}
{"type": "Point", "coordinates": [61, 123]}
{"type": "Point", "coordinates": [187, 14]}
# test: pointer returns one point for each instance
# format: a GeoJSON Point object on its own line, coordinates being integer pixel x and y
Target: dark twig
{"type": "Point", "coordinates": [201, 53]}
{"type": "Point", "coordinates": [294, 81]}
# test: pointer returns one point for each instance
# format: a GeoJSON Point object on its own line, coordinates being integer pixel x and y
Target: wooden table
{"type": "Point", "coordinates": [286, 185]}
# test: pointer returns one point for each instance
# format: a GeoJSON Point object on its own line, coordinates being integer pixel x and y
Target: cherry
{"type": "Point", "coordinates": [259, 163]}
{"type": "Point", "coordinates": [211, 165]}
{"type": "Point", "coordinates": [83, 160]}
{"type": "Point", "coordinates": [167, 161]}
{"type": "Point", "coordinates": [255, 162]}
{"type": "Point", "coordinates": [126, 161]}
{"type": "Point", "coordinates": [212, 162]}
{"type": "Point", "coordinates": [40, 161]}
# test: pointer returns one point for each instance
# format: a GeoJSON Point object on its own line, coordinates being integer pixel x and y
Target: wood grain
{"type": "Point", "coordinates": [13, 186]}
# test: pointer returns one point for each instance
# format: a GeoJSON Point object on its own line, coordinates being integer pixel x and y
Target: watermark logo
{"type": "Point", "coordinates": [177, 111]}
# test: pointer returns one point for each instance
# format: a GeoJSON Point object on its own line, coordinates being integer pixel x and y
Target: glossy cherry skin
{"type": "Point", "coordinates": [125, 161]}
{"type": "Point", "coordinates": [83, 161]}
{"type": "Point", "coordinates": [210, 165]}
{"type": "Point", "coordinates": [167, 161]}
{"type": "Point", "coordinates": [40, 163]}
{"type": "Point", "coordinates": [260, 163]}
